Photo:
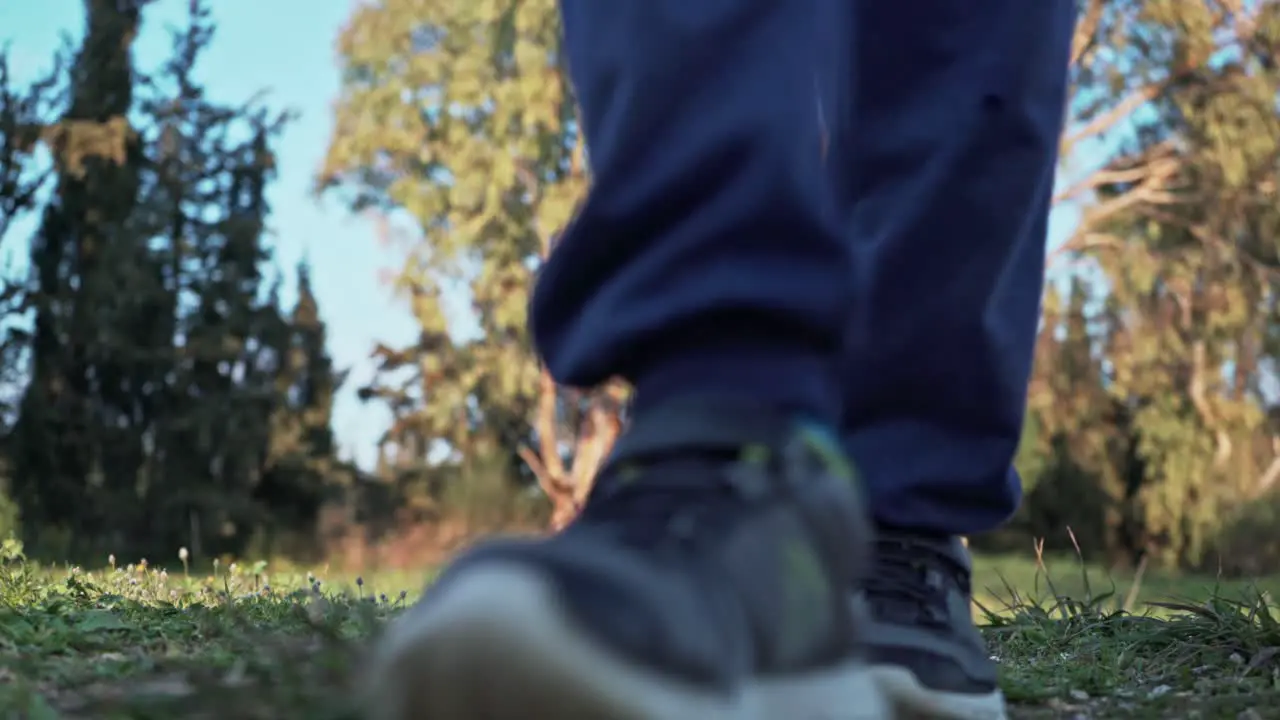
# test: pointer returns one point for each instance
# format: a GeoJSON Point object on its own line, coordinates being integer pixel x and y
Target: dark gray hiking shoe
{"type": "Point", "coordinates": [924, 649]}
{"type": "Point", "coordinates": [706, 579]}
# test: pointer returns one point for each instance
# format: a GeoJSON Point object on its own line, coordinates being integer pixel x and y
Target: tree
{"type": "Point", "coordinates": [25, 114]}
{"type": "Point", "coordinates": [302, 470]}
{"type": "Point", "coordinates": [161, 361]}
{"type": "Point", "coordinates": [59, 444]}
{"type": "Point", "coordinates": [458, 116]}
{"type": "Point", "coordinates": [1178, 247]}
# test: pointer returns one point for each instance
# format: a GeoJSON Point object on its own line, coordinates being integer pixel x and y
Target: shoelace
{"type": "Point", "coordinates": [900, 587]}
{"type": "Point", "coordinates": [678, 500]}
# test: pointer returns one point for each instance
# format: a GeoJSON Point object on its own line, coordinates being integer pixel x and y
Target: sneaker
{"type": "Point", "coordinates": [705, 579]}
{"type": "Point", "coordinates": [926, 654]}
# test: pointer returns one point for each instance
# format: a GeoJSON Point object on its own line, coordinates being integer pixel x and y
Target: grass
{"type": "Point", "coordinates": [251, 641]}
{"type": "Point", "coordinates": [1174, 647]}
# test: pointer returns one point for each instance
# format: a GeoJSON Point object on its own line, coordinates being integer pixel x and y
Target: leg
{"type": "Point", "coordinates": [954, 166]}
{"type": "Point", "coordinates": [954, 159]}
{"type": "Point", "coordinates": [708, 574]}
{"type": "Point", "coordinates": [708, 256]}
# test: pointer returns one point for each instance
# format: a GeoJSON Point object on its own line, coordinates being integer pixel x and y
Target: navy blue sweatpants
{"type": "Point", "coordinates": [837, 206]}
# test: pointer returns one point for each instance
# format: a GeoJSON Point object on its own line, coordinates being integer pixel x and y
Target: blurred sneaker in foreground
{"type": "Point", "coordinates": [706, 579]}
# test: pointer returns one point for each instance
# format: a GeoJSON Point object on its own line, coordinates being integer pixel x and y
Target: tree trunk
{"type": "Point", "coordinates": [567, 487]}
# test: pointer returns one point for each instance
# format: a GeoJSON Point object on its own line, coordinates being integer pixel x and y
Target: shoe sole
{"type": "Point", "coordinates": [913, 701]}
{"type": "Point", "coordinates": [495, 645]}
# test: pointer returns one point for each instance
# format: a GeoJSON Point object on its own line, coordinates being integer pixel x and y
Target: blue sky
{"type": "Point", "coordinates": [285, 47]}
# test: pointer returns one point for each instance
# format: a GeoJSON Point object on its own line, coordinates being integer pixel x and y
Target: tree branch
{"type": "Point", "coordinates": [1103, 122]}
{"type": "Point", "coordinates": [551, 485]}
{"type": "Point", "coordinates": [1086, 30]}
{"type": "Point", "coordinates": [548, 436]}
{"type": "Point", "coordinates": [1145, 174]}
{"type": "Point", "coordinates": [1272, 474]}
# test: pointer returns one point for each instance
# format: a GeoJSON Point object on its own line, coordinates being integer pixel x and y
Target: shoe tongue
{"type": "Point", "coordinates": [702, 425]}
{"type": "Point", "coordinates": [944, 546]}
